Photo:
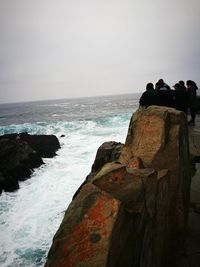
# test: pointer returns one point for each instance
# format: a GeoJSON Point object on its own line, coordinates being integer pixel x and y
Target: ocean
{"type": "Point", "coordinates": [30, 216]}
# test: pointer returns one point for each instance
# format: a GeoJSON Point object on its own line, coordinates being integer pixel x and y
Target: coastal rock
{"type": "Point", "coordinates": [17, 159]}
{"type": "Point", "coordinates": [83, 238]}
{"type": "Point", "coordinates": [19, 154]}
{"type": "Point", "coordinates": [45, 145]}
{"type": "Point", "coordinates": [107, 152]}
{"type": "Point", "coordinates": [159, 136]}
{"type": "Point", "coordinates": [150, 181]}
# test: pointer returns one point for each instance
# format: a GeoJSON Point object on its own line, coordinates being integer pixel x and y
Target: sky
{"type": "Point", "coordinates": [52, 49]}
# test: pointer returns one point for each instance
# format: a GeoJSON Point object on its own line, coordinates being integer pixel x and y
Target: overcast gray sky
{"type": "Point", "coordinates": [53, 49]}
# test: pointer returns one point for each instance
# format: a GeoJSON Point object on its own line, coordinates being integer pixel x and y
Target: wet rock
{"type": "Point", "coordinates": [19, 154]}
{"type": "Point", "coordinates": [45, 145]}
{"type": "Point", "coordinates": [17, 159]}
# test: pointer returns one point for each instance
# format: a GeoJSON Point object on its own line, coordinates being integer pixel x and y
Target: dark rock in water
{"type": "Point", "coordinates": [62, 135]}
{"type": "Point", "coordinates": [45, 145]}
{"type": "Point", "coordinates": [20, 153]}
{"type": "Point", "coordinates": [133, 207]}
{"type": "Point", "coordinates": [17, 159]}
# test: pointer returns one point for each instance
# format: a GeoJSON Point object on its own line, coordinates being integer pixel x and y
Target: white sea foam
{"type": "Point", "coordinates": [31, 215]}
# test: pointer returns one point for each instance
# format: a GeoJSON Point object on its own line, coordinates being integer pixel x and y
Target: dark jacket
{"type": "Point", "coordinates": [181, 99]}
{"type": "Point", "coordinates": [192, 97]}
{"type": "Point", "coordinates": [149, 98]}
{"type": "Point", "coordinates": [166, 98]}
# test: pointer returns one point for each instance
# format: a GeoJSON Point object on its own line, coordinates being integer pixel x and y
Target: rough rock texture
{"type": "Point", "coordinates": [107, 152]}
{"type": "Point", "coordinates": [83, 240]}
{"type": "Point", "coordinates": [167, 148]}
{"type": "Point", "coordinates": [19, 154]}
{"type": "Point", "coordinates": [149, 182]}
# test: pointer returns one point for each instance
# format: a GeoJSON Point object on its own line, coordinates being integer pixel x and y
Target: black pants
{"type": "Point", "coordinates": [192, 113]}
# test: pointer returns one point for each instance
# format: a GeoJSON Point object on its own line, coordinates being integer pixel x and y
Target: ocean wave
{"type": "Point", "coordinates": [31, 215]}
{"type": "Point", "coordinates": [64, 127]}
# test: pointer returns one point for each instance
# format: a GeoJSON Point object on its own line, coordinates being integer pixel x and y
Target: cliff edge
{"type": "Point", "coordinates": [132, 209]}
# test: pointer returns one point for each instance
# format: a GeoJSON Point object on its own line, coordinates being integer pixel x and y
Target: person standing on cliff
{"type": "Point", "coordinates": [149, 97]}
{"type": "Point", "coordinates": [192, 100]}
{"type": "Point", "coordinates": [180, 98]}
{"type": "Point", "coordinates": [182, 85]}
{"type": "Point", "coordinates": [162, 85]}
{"type": "Point", "coordinates": [165, 94]}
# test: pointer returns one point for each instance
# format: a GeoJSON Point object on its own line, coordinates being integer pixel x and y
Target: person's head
{"type": "Point", "coordinates": [161, 82]}
{"type": "Point", "coordinates": [182, 83]}
{"type": "Point", "coordinates": [149, 86]}
{"type": "Point", "coordinates": [157, 86]}
{"type": "Point", "coordinates": [177, 86]}
{"type": "Point", "coordinates": [191, 84]}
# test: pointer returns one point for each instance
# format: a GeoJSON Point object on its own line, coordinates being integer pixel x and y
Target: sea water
{"type": "Point", "coordinates": [30, 216]}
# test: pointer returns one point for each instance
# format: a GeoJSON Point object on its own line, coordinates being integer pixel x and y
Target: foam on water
{"type": "Point", "coordinates": [30, 216]}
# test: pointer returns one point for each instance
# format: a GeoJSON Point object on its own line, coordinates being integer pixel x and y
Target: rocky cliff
{"type": "Point", "coordinates": [20, 153]}
{"type": "Point", "coordinates": [132, 210]}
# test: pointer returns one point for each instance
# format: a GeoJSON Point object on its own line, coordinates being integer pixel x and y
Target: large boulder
{"type": "Point", "coordinates": [150, 180]}
{"type": "Point", "coordinates": [19, 154]}
{"type": "Point", "coordinates": [159, 136]}
{"type": "Point", "coordinates": [17, 159]}
{"type": "Point", "coordinates": [107, 152]}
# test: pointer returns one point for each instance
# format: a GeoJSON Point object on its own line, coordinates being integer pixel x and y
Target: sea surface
{"type": "Point", "coordinates": [30, 216]}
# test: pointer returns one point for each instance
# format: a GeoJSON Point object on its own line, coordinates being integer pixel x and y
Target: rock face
{"type": "Point", "coordinates": [140, 199]}
{"type": "Point", "coordinates": [19, 154]}
{"type": "Point", "coordinates": [84, 238]}
{"type": "Point", "coordinates": [107, 152]}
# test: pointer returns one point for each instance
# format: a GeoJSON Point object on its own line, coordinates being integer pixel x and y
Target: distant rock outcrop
{"type": "Point", "coordinates": [132, 209]}
{"type": "Point", "coordinates": [20, 153]}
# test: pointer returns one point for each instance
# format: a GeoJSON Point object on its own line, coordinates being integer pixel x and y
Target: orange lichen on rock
{"type": "Point", "coordinates": [135, 163]}
{"type": "Point", "coordinates": [125, 155]}
{"type": "Point", "coordinates": [87, 241]}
